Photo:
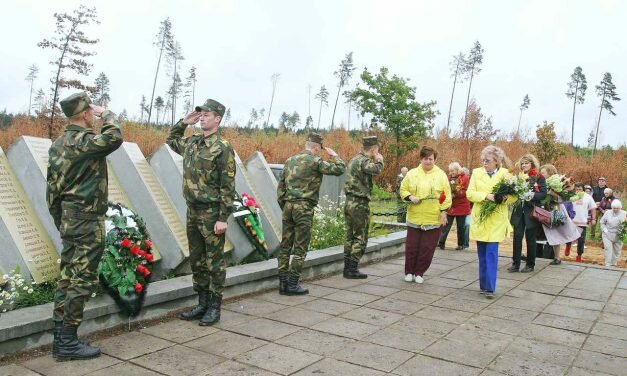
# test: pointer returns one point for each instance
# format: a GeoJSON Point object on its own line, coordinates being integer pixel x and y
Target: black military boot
{"type": "Point", "coordinates": [352, 272]}
{"type": "Point", "coordinates": [212, 315]}
{"type": "Point", "coordinates": [198, 311]}
{"type": "Point", "coordinates": [293, 288]}
{"type": "Point", "coordinates": [58, 325]}
{"type": "Point", "coordinates": [282, 283]}
{"type": "Point", "coordinates": [70, 348]}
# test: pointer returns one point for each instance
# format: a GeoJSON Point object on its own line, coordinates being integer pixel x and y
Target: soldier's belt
{"type": "Point", "coordinates": [203, 206]}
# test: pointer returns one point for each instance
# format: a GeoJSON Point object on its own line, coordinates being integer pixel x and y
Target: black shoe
{"type": "Point", "coordinates": [523, 257]}
{"type": "Point", "coordinates": [527, 269]}
{"type": "Point", "coordinates": [199, 311]}
{"type": "Point", "coordinates": [70, 348]}
{"type": "Point", "coordinates": [58, 325]}
{"type": "Point", "coordinates": [459, 248]}
{"type": "Point", "coordinates": [351, 271]}
{"type": "Point", "coordinates": [556, 262]}
{"type": "Point", "coordinates": [514, 268]}
{"type": "Point", "coordinates": [212, 315]}
{"type": "Point", "coordinates": [293, 288]}
{"type": "Point", "coordinates": [441, 246]}
{"type": "Point", "coordinates": [282, 283]}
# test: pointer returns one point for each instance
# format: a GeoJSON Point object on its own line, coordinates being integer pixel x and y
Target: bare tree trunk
{"type": "Point", "coordinates": [319, 114]}
{"type": "Point", "coordinates": [448, 122]}
{"type": "Point", "coordinates": [271, 102]}
{"type": "Point", "coordinates": [174, 93]}
{"type": "Point", "coordinates": [154, 85]}
{"type": "Point", "coordinates": [30, 97]}
{"type": "Point", "coordinates": [596, 136]}
{"type": "Point", "coordinates": [519, 119]}
{"type": "Point", "coordinates": [56, 82]}
{"type": "Point", "coordinates": [572, 132]}
{"type": "Point", "coordinates": [472, 73]}
{"type": "Point", "coordinates": [350, 104]}
{"type": "Point", "coordinates": [335, 107]}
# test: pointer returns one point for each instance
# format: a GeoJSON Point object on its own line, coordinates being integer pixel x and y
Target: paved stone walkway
{"type": "Point", "coordinates": [565, 320]}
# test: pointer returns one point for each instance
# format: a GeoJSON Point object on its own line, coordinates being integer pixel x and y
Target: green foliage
{"type": "Point", "coordinates": [547, 148]}
{"type": "Point", "coordinates": [329, 228]}
{"type": "Point", "coordinates": [42, 293]}
{"type": "Point", "coordinates": [379, 193]}
{"type": "Point", "coordinates": [393, 102]}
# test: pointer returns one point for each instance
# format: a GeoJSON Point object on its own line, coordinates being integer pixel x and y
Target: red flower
{"type": "Point", "coordinates": [533, 172]}
{"type": "Point", "coordinates": [126, 243]}
{"type": "Point", "coordinates": [143, 270]}
{"type": "Point", "coordinates": [138, 287]}
{"type": "Point", "coordinates": [442, 197]}
{"type": "Point", "coordinates": [150, 257]}
{"type": "Point", "coordinates": [135, 250]}
{"type": "Point", "coordinates": [148, 244]}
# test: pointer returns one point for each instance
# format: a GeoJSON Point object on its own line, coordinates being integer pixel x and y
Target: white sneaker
{"type": "Point", "coordinates": [409, 278]}
{"type": "Point", "coordinates": [419, 279]}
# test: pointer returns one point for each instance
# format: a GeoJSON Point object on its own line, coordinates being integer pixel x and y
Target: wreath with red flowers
{"type": "Point", "coordinates": [126, 264]}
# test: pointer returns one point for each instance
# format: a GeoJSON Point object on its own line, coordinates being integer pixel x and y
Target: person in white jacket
{"type": "Point", "coordinates": [611, 226]}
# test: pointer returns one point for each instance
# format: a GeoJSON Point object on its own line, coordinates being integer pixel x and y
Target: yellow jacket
{"type": "Point", "coordinates": [496, 227]}
{"type": "Point", "coordinates": [423, 184]}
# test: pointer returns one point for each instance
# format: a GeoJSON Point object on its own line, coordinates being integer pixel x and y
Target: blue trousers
{"type": "Point", "coordinates": [488, 264]}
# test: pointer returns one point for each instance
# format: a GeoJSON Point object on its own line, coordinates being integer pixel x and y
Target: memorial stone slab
{"type": "Point", "coordinates": [29, 159]}
{"type": "Point", "coordinates": [332, 192]}
{"type": "Point", "coordinates": [23, 238]}
{"type": "Point", "coordinates": [152, 203]}
{"type": "Point", "coordinates": [168, 167]}
{"type": "Point", "coordinates": [266, 184]}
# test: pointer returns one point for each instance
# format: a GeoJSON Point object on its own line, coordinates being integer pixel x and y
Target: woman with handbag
{"type": "Point", "coordinates": [612, 224]}
{"type": "Point", "coordinates": [524, 225]}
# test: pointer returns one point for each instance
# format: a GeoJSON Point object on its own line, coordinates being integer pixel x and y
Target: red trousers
{"type": "Point", "coordinates": [419, 249]}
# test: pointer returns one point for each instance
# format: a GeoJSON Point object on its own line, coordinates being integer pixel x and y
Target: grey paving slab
{"type": "Point", "coordinates": [352, 297]}
{"type": "Point", "coordinates": [275, 297]}
{"type": "Point", "coordinates": [586, 294]}
{"type": "Point", "coordinates": [123, 369]}
{"type": "Point", "coordinates": [225, 344]}
{"type": "Point", "coordinates": [373, 316]}
{"type": "Point", "coordinates": [522, 303]}
{"type": "Point", "coordinates": [318, 291]}
{"type": "Point", "coordinates": [268, 330]}
{"type": "Point", "coordinates": [16, 370]}
{"type": "Point", "coordinates": [403, 340]}
{"type": "Point", "coordinates": [330, 307]}
{"type": "Point", "coordinates": [575, 371]}
{"type": "Point", "coordinates": [392, 281]}
{"type": "Point", "coordinates": [449, 281]}
{"type": "Point", "coordinates": [131, 345]}
{"type": "Point", "coordinates": [496, 324]}
{"type": "Point", "coordinates": [339, 282]}
{"type": "Point", "coordinates": [574, 312]}
{"type": "Point", "coordinates": [423, 326]}
{"type": "Point", "coordinates": [48, 366]}
{"type": "Point", "coordinates": [542, 351]}
{"type": "Point", "coordinates": [299, 316]}
{"type": "Point", "coordinates": [403, 307]}
{"type": "Point", "coordinates": [563, 322]}
{"type": "Point", "coordinates": [509, 313]}
{"type": "Point", "coordinates": [613, 318]}
{"type": "Point", "coordinates": [178, 360]}
{"type": "Point", "coordinates": [372, 355]}
{"type": "Point", "coordinates": [373, 270]}
{"type": "Point", "coordinates": [605, 345]}
{"type": "Point", "coordinates": [466, 305]}
{"type": "Point", "coordinates": [232, 368]}
{"type": "Point", "coordinates": [335, 367]}
{"type": "Point", "coordinates": [346, 328]}
{"type": "Point", "coordinates": [539, 286]}
{"type": "Point", "coordinates": [228, 319]}
{"type": "Point", "coordinates": [519, 364]}
{"type": "Point", "coordinates": [314, 341]}
{"type": "Point", "coordinates": [374, 290]}
{"type": "Point", "coordinates": [415, 297]}
{"type": "Point", "coordinates": [553, 335]}
{"type": "Point", "coordinates": [579, 303]}
{"type": "Point", "coordinates": [179, 331]}
{"type": "Point", "coordinates": [429, 289]}
{"type": "Point", "coordinates": [421, 365]}
{"type": "Point", "coordinates": [619, 297]}
{"type": "Point", "coordinates": [254, 307]}
{"type": "Point", "coordinates": [594, 361]}
{"type": "Point", "coordinates": [611, 331]}
{"type": "Point", "coordinates": [280, 359]}
{"type": "Point", "coordinates": [449, 315]}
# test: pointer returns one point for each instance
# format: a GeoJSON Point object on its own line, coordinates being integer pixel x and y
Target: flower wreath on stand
{"type": "Point", "coordinates": [247, 216]}
{"type": "Point", "coordinates": [126, 264]}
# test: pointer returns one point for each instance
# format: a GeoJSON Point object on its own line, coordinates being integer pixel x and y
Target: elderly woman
{"type": "Point", "coordinates": [524, 225]}
{"type": "Point", "coordinates": [606, 201]}
{"type": "Point", "coordinates": [611, 225]}
{"type": "Point", "coordinates": [460, 208]}
{"type": "Point", "coordinates": [426, 188]}
{"type": "Point", "coordinates": [495, 228]}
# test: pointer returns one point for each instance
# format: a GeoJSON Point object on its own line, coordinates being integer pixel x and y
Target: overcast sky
{"type": "Point", "coordinates": [531, 47]}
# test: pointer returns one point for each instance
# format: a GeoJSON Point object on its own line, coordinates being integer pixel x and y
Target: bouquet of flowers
{"type": "Point", "coordinates": [126, 264]}
{"type": "Point", "coordinates": [456, 183]}
{"type": "Point", "coordinates": [432, 196]}
{"type": "Point", "coordinates": [561, 186]}
{"type": "Point", "coordinates": [247, 216]}
{"type": "Point", "coordinates": [10, 286]}
{"type": "Point", "coordinates": [515, 185]}
{"type": "Point", "coordinates": [622, 234]}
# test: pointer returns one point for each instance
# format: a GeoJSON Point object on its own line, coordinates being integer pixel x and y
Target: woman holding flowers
{"type": "Point", "coordinates": [524, 225]}
{"type": "Point", "coordinates": [428, 192]}
{"type": "Point", "coordinates": [613, 232]}
{"type": "Point", "coordinates": [492, 228]}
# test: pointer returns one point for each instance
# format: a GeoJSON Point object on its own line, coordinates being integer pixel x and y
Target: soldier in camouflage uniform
{"type": "Point", "coordinates": [401, 206]}
{"type": "Point", "coordinates": [297, 193]}
{"type": "Point", "coordinates": [208, 188]}
{"type": "Point", "coordinates": [77, 200]}
{"type": "Point", "coordinates": [358, 187]}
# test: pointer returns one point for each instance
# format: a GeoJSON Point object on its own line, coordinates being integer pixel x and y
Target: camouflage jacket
{"type": "Point", "coordinates": [302, 176]}
{"type": "Point", "coordinates": [77, 168]}
{"type": "Point", "coordinates": [361, 169]}
{"type": "Point", "coordinates": [208, 169]}
{"type": "Point", "coordinates": [397, 188]}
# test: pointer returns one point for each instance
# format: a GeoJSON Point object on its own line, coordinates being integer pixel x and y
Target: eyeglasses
{"type": "Point", "coordinates": [487, 160]}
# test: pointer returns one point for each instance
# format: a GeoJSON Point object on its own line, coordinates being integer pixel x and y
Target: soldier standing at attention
{"type": "Point", "coordinates": [77, 197]}
{"type": "Point", "coordinates": [358, 187]}
{"type": "Point", "coordinates": [208, 188]}
{"type": "Point", "coordinates": [401, 206]}
{"type": "Point", "coordinates": [297, 194]}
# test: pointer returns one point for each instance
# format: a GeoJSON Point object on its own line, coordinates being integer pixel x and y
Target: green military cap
{"type": "Point", "coordinates": [315, 137]}
{"type": "Point", "coordinates": [370, 141]}
{"type": "Point", "coordinates": [212, 105]}
{"type": "Point", "coordinates": [75, 104]}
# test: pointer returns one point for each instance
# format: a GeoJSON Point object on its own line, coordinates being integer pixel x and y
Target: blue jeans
{"type": "Point", "coordinates": [488, 263]}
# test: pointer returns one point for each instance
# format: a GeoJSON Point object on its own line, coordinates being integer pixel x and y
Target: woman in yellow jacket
{"type": "Point", "coordinates": [496, 227]}
{"type": "Point", "coordinates": [428, 191]}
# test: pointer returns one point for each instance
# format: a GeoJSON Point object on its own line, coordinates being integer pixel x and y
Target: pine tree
{"type": "Point", "coordinates": [33, 70]}
{"type": "Point", "coordinates": [576, 91]}
{"type": "Point", "coordinates": [101, 94]}
{"type": "Point", "coordinates": [158, 106]}
{"type": "Point", "coordinates": [142, 108]}
{"type": "Point", "coordinates": [274, 79]}
{"type": "Point", "coordinates": [163, 39]}
{"type": "Point", "coordinates": [343, 74]}
{"type": "Point", "coordinates": [523, 106]}
{"type": "Point", "coordinates": [40, 101]}
{"type": "Point", "coordinates": [607, 91]}
{"type": "Point", "coordinates": [473, 68]}
{"type": "Point", "coordinates": [175, 55]}
{"type": "Point", "coordinates": [457, 66]}
{"type": "Point", "coordinates": [323, 95]}
{"type": "Point", "coordinates": [190, 92]}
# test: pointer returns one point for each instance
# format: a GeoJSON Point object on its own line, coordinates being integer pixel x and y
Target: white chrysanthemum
{"type": "Point", "coordinates": [111, 212]}
{"type": "Point", "coordinates": [93, 294]}
{"type": "Point", "coordinates": [130, 222]}
{"type": "Point", "coordinates": [30, 291]}
{"type": "Point", "coordinates": [126, 212]}
{"type": "Point", "coordinates": [109, 225]}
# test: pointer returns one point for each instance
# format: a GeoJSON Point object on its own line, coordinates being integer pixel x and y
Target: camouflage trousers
{"type": "Point", "coordinates": [83, 238]}
{"type": "Point", "coordinates": [357, 215]}
{"type": "Point", "coordinates": [297, 222]}
{"type": "Point", "coordinates": [206, 250]}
